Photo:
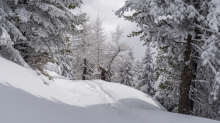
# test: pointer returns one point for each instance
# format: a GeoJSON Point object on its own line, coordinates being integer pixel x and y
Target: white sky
{"type": "Point", "coordinates": [105, 8]}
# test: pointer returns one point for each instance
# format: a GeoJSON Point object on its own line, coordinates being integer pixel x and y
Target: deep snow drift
{"type": "Point", "coordinates": [24, 98]}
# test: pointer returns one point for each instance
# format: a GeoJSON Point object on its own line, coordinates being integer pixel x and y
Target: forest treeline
{"type": "Point", "coordinates": [185, 77]}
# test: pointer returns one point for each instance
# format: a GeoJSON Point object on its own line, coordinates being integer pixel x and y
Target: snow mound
{"type": "Point", "coordinates": [53, 67]}
{"type": "Point", "coordinates": [24, 98]}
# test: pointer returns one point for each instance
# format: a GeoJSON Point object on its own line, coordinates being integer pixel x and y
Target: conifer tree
{"type": "Point", "coordinates": [41, 28]}
{"type": "Point", "coordinates": [128, 72]}
{"type": "Point", "coordinates": [64, 59]}
{"type": "Point", "coordinates": [84, 47]}
{"type": "Point", "coordinates": [189, 27]}
{"type": "Point", "coordinates": [138, 72]}
{"type": "Point", "coordinates": [148, 79]}
{"type": "Point", "coordinates": [168, 76]}
{"type": "Point", "coordinates": [9, 34]}
{"type": "Point", "coordinates": [99, 47]}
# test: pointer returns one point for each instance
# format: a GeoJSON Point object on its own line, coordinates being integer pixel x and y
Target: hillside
{"type": "Point", "coordinates": [24, 98]}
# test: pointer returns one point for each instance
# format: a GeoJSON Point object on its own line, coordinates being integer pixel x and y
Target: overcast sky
{"type": "Point", "coordinates": [105, 8]}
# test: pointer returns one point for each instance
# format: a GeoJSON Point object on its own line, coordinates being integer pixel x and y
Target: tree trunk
{"type": "Point", "coordinates": [187, 76]}
{"type": "Point", "coordinates": [103, 71]}
{"type": "Point", "coordinates": [193, 84]}
{"type": "Point", "coordinates": [84, 71]}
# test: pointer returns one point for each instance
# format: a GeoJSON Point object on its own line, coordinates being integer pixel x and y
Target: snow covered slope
{"type": "Point", "coordinates": [24, 98]}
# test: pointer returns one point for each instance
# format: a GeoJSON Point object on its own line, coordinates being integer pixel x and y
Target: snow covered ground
{"type": "Point", "coordinates": [24, 98]}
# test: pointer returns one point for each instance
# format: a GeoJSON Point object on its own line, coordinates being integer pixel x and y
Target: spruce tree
{"type": "Point", "coordinates": [41, 28]}
{"type": "Point", "coordinates": [147, 82]}
{"type": "Point", "coordinates": [190, 29]}
{"type": "Point", "coordinates": [168, 77]}
{"type": "Point", "coordinates": [138, 72]}
{"type": "Point", "coordinates": [9, 35]}
{"type": "Point", "coordinates": [128, 72]}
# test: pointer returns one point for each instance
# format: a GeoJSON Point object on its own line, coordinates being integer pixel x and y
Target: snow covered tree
{"type": "Point", "coordinates": [114, 55]}
{"type": "Point", "coordinates": [83, 47]}
{"type": "Point", "coordinates": [64, 59]}
{"type": "Point", "coordinates": [99, 47]}
{"type": "Point", "coordinates": [187, 26]}
{"type": "Point", "coordinates": [138, 72]}
{"type": "Point", "coordinates": [6, 43]}
{"type": "Point", "coordinates": [128, 72]}
{"type": "Point", "coordinates": [148, 79]}
{"type": "Point", "coordinates": [168, 76]}
{"type": "Point", "coordinates": [204, 105]}
{"type": "Point", "coordinates": [41, 27]}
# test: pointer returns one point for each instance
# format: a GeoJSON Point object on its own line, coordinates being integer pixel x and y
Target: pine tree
{"type": "Point", "coordinates": [83, 47]}
{"type": "Point", "coordinates": [186, 26]}
{"type": "Point", "coordinates": [128, 72]}
{"type": "Point", "coordinates": [9, 34]}
{"type": "Point", "coordinates": [204, 105]}
{"type": "Point", "coordinates": [99, 47]}
{"type": "Point", "coordinates": [138, 72]}
{"type": "Point", "coordinates": [168, 76]}
{"type": "Point", "coordinates": [41, 28]}
{"type": "Point", "coordinates": [148, 79]}
{"type": "Point", "coordinates": [64, 59]}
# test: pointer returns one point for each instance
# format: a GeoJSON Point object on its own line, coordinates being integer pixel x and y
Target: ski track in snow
{"type": "Point", "coordinates": [107, 95]}
{"type": "Point", "coordinates": [110, 97]}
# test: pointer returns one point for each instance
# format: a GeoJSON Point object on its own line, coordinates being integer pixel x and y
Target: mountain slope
{"type": "Point", "coordinates": [24, 98]}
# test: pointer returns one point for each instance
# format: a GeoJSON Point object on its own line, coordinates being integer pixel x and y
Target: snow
{"type": "Point", "coordinates": [24, 98]}
{"type": "Point", "coordinates": [53, 67]}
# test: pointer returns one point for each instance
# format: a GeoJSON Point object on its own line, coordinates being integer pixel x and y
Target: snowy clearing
{"type": "Point", "coordinates": [24, 98]}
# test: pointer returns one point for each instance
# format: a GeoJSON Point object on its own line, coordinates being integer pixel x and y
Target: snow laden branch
{"type": "Point", "coordinates": [115, 50]}
{"type": "Point", "coordinates": [116, 47]}
{"type": "Point", "coordinates": [95, 58]}
{"type": "Point", "coordinates": [186, 31]}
